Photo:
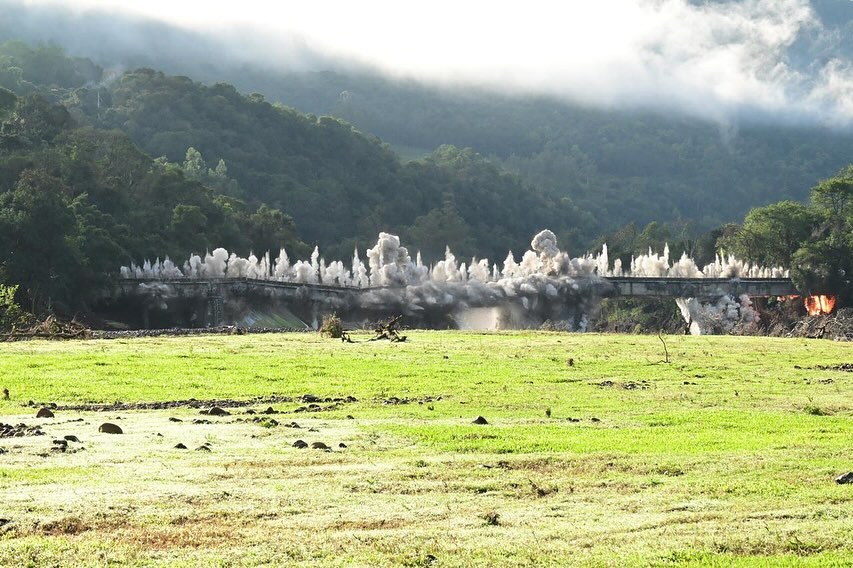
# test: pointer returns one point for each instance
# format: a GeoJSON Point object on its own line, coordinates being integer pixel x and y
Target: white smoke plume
{"type": "Point", "coordinates": [546, 284]}
{"type": "Point", "coordinates": [390, 265]}
{"type": "Point", "coordinates": [721, 316]}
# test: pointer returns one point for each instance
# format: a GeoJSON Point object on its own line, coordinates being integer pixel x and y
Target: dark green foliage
{"type": "Point", "coordinates": [11, 314]}
{"type": "Point", "coordinates": [76, 203]}
{"type": "Point", "coordinates": [815, 240]}
{"type": "Point", "coordinates": [26, 70]}
{"type": "Point", "coordinates": [339, 186]}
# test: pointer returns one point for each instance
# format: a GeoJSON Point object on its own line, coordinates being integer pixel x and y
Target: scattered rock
{"type": "Point", "coordinates": [300, 444]}
{"type": "Point", "coordinates": [60, 442]}
{"type": "Point", "coordinates": [19, 430]}
{"type": "Point", "coordinates": [845, 478]}
{"type": "Point", "coordinates": [44, 413]}
{"type": "Point", "coordinates": [163, 405]}
{"type": "Point", "coordinates": [72, 438]}
{"type": "Point", "coordinates": [310, 398]}
{"type": "Point", "coordinates": [180, 446]}
{"type": "Point", "coordinates": [200, 421]}
{"type": "Point", "coordinates": [594, 419]}
{"type": "Point", "coordinates": [173, 419]}
{"type": "Point", "coordinates": [479, 420]}
{"type": "Point", "coordinates": [110, 428]}
{"type": "Point", "coordinates": [216, 411]}
{"type": "Point", "coordinates": [203, 449]}
{"type": "Point", "coordinates": [350, 417]}
{"type": "Point", "coordinates": [320, 446]}
{"type": "Point", "coordinates": [848, 367]}
{"type": "Point", "coordinates": [250, 411]}
{"type": "Point", "coordinates": [292, 425]}
{"type": "Point", "coordinates": [342, 445]}
{"type": "Point", "coordinates": [270, 410]}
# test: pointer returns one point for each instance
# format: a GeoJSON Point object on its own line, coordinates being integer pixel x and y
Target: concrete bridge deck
{"type": "Point", "coordinates": [618, 286]}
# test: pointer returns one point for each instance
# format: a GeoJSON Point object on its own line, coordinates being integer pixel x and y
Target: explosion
{"type": "Point", "coordinates": [544, 284]}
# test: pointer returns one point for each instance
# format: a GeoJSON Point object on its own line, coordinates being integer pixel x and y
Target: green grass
{"type": "Point", "coordinates": [725, 456]}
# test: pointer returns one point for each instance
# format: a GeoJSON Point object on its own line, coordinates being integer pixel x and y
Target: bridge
{"type": "Point", "coordinates": [610, 286]}
{"type": "Point", "coordinates": [702, 287]}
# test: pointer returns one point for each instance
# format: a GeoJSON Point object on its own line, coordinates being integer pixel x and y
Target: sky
{"type": "Point", "coordinates": [708, 58]}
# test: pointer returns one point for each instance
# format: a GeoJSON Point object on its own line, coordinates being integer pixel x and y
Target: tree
{"type": "Point", "coordinates": [35, 249]}
{"type": "Point", "coordinates": [8, 100]}
{"type": "Point", "coordinates": [438, 229]}
{"type": "Point", "coordinates": [270, 229]}
{"type": "Point", "coordinates": [771, 235]}
{"type": "Point", "coordinates": [194, 167]}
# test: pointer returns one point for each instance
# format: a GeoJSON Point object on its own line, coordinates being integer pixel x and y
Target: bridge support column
{"type": "Point", "coordinates": [215, 311]}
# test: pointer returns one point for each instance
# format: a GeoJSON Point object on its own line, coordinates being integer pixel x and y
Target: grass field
{"type": "Point", "coordinates": [724, 456]}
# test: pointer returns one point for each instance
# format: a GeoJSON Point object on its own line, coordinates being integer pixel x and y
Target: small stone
{"type": "Point", "coordinates": [342, 445]}
{"type": "Point", "coordinates": [72, 438]}
{"type": "Point", "coordinates": [180, 446]}
{"type": "Point", "coordinates": [250, 411]}
{"type": "Point", "coordinates": [300, 444]}
{"type": "Point", "coordinates": [216, 411]}
{"type": "Point", "coordinates": [202, 449]}
{"type": "Point", "coordinates": [319, 446]}
{"type": "Point", "coordinates": [110, 428]}
{"type": "Point", "coordinates": [845, 478]}
{"type": "Point", "coordinates": [479, 420]}
{"type": "Point", "coordinates": [44, 413]}
{"type": "Point", "coordinates": [60, 442]}
{"type": "Point", "coordinates": [270, 410]}
{"type": "Point", "coordinates": [350, 417]}
{"type": "Point", "coordinates": [173, 419]}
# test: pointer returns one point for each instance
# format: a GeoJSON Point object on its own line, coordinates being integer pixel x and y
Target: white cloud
{"type": "Point", "coordinates": [707, 58]}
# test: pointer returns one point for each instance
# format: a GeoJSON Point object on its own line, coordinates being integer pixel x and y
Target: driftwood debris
{"type": "Point", "coordinates": [389, 330]}
{"type": "Point", "coordinates": [50, 328]}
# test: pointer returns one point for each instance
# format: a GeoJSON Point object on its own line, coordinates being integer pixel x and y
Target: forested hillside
{"type": "Point", "coordinates": [340, 186]}
{"type": "Point", "coordinates": [619, 165]}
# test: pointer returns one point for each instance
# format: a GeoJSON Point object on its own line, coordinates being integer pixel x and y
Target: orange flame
{"type": "Point", "coordinates": [817, 305]}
